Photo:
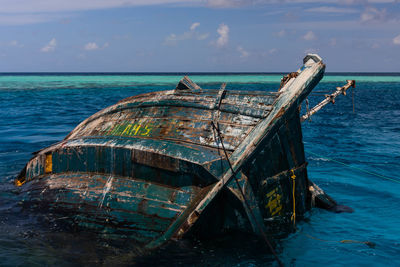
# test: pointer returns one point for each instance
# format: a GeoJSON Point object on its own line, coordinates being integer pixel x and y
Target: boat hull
{"type": "Point", "coordinates": [168, 164]}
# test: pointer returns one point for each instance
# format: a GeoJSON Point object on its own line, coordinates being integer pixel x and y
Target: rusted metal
{"type": "Point", "coordinates": [151, 165]}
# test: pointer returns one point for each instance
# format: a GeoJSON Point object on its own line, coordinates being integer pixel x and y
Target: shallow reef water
{"type": "Point", "coordinates": [354, 157]}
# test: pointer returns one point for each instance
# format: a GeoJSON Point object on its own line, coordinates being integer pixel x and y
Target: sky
{"type": "Point", "coordinates": [198, 35]}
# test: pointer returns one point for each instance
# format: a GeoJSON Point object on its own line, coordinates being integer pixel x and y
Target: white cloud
{"type": "Point", "coordinates": [243, 53]}
{"type": "Point", "coordinates": [23, 19]}
{"type": "Point", "coordinates": [194, 26]}
{"type": "Point", "coordinates": [396, 40]}
{"type": "Point", "coordinates": [28, 12]}
{"type": "Point", "coordinates": [281, 33]}
{"type": "Point", "coordinates": [24, 12]}
{"type": "Point", "coordinates": [173, 38]}
{"type": "Point", "coordinates": [371, 14]}
{"type": "Point", "coordinates": [269, 52]}
{"type": "Point", "coordinates": [331, 9]}
{"type": "Point", "coordinates": [239, 3]}
{"type": "Point", "coordinates": [50, 46]}
{"type": "Point", "coordinates": [48, 6]}
{"type": "Point", "coordinates": [309, 36]}
{"type": "Point", "coordinates": [202, 36]}
{"type": "Point", "coordinates": [225, 3]}
{"type": "Point", "coordinates": [91, 46]}
{"type": "Point", "coordinates": [15, 43]}
{"type": "Point", "coordinates": [383, 1]}
{"type": "Point", "coordinates": [94, 46]}
{"type": "Point", "coordinates": [52, 6]}
{"type": "Point", "coordinates": [223, 31]}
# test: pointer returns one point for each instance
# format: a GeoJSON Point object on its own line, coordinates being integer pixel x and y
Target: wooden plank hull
{"type": "Point", "coordinates": [110, 204]}
{"type": "Point", "coordinates": [163, 165]}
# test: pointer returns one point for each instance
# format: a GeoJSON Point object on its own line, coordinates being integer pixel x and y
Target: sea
{"type": "Point", "coordinates": [352, 149]}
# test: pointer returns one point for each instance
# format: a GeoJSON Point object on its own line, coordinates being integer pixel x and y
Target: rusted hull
{"type": "Point", "coordinates": [162, 165]}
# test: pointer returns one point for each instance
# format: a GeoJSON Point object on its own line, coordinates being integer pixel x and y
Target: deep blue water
{"type": "Point", "coordinates": [38, 110]}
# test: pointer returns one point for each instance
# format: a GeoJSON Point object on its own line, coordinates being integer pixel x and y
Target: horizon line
{"type": "Point", "coordinates": [187, 73]}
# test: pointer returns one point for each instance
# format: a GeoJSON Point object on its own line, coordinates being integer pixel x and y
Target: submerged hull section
{"type": "Point", "coordinates": [161, 165]}
{"type": "Point", "coordinates": [111, 205]}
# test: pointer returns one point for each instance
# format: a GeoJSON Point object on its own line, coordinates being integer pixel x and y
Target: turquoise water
{"type": "Point", "coordinates": [106, 81]}
{"type": "Point", "coordinates": [35, 115]}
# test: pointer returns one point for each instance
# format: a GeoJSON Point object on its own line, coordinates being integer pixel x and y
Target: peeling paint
{"type": "Point", "coordinates": [152, 165]}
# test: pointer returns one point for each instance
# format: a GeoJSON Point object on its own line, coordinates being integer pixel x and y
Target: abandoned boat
{"type": "Point", "coordinates": [163, 165]}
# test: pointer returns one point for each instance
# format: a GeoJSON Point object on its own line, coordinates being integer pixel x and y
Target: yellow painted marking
{"type": "Point", "coordinates": [129, 129]}
{"type": "Point", "coordinates": [117, 130]}
{"type": "Point", "coordinates": [48, 163]}
{"type": "Point", "coordinates": [126, 131]}
{"type": "Point", "coordinates": [136, 127]}
{"type": "Point", "coordinates": [277, 210]}
{"type": "Point", "coordinates": [147, 130]}
{"type": "Point", "coordinates": [19, 183]}
{"type": "Point", "coordinates": [274, 202]}
{"type": "Point", "coordinates": [272, 192]}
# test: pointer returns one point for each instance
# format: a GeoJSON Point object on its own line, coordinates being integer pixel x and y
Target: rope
{"type": "Point", "coordinates": [308, 109]}
{"type": "Point", "coordinates": [356, 168]}
{"type": "Point", "coordinates": [243, 195]}
{"type": "Point", "coordinates": [294, 198]}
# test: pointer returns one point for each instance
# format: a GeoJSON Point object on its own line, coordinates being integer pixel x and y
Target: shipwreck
{"type": "Point", "coordinates": [188, 161]}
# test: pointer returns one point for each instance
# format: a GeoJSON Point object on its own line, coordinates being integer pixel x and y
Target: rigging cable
{"type": "Point", "coordinates": [216, 128]}
{"type": "Point", "coordinates": [356, 168]}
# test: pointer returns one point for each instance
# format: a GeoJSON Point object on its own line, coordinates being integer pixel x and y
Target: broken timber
{"type": "Point", "coordinates": [152, 167]}
{"type": "Point", "coordinates": [330, 99]}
